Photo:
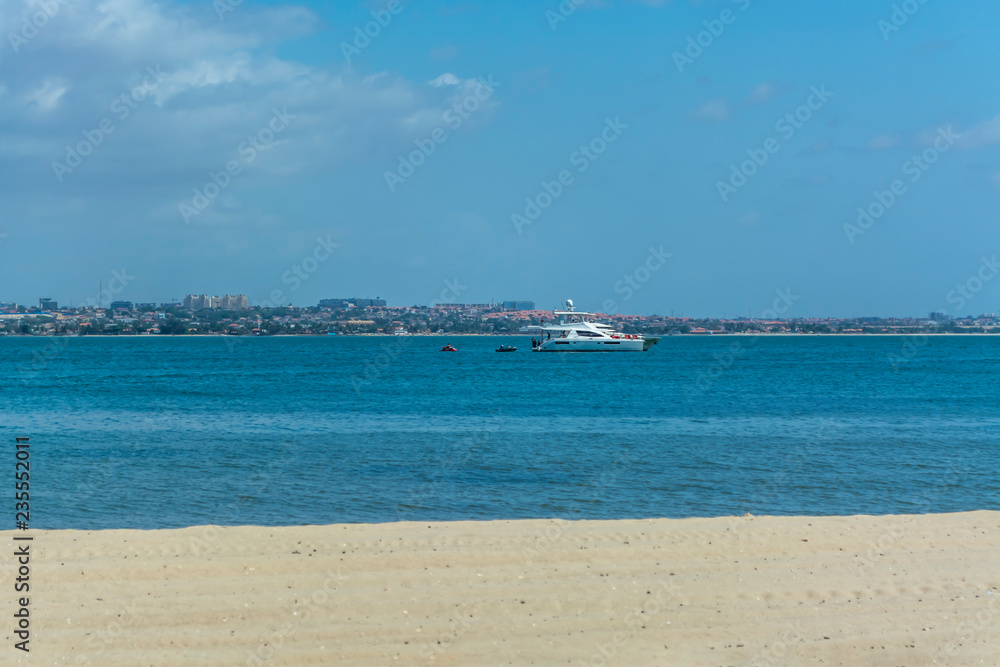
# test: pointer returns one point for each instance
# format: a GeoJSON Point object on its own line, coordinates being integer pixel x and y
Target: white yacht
{"type": "Point", "coordinates": [576, 333]}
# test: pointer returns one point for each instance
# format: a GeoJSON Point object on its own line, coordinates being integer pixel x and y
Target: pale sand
{"type": "Point", "coordinates": [778, 591]}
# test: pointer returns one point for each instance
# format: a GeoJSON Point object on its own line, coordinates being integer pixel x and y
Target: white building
{"type": "Point", "coordinates": [224, 302]}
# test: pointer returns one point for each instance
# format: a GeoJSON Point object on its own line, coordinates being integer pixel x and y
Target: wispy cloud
{"type": "Point", "coordinates": [220, 81]}
{"type": "Point", "coordinates": [986, 133]}
{"type": "Point", "coordinates": [721, 109]}
{"type": "Point", "coordinates": [446, 79]}
{"type": "Point", "coordinates": [765, 92]}
{"type": "Point", "coordinates": [715, 111]}
{"type": "Point", "coordinates": [882, 142]}
{"type": "Point", "coordinates": [47, 97]}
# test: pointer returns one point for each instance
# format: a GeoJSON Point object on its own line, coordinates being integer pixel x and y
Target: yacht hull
{"type": "Point", "coordinates": [576, 345]}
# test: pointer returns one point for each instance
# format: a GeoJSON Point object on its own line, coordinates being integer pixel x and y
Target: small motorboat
{"type": "Point", "coordinates": [449, 348]}
{"type": "Point", "coordinates": [506, 348]}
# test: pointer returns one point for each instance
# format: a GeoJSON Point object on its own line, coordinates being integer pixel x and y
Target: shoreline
{"type": "Point", "coordinates": [516, 335]}
{"type": "Point", "coordinates": [893, 589]}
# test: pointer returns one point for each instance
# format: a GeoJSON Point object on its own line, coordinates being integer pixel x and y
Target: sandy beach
{"type": "Point", "coordinates": [729, 591]}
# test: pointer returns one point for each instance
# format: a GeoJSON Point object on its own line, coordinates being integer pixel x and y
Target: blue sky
{"type": "Point", "coordinates": [307, 209]}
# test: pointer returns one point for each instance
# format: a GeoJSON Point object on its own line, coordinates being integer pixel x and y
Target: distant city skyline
{"type": "Point", "coordinates": [228, 316]}
{"type": "Point", "coordinates": [779, 309]}
{"type": "Point", "coordinates": [687, 156]}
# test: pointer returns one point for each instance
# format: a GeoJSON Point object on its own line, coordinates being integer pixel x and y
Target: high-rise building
{"type": "Point", "coordinates": [197, 301]}
{"type": "Point", "coordinates": [518, 305]}
{"type": "Point", "coordinates": [48, 304]}
{"type": "Point", "coordinates": [121, 305]}
{"type": "Point", "coordinates": [234, 302]}
{"type": "Point", "coordinates": [224, 302]}
{"type": "Point", "coordinates": [939, 317]}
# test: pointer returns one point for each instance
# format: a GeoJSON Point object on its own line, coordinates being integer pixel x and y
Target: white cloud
{"type": "Point", "coordinates": [714, 111]}
{"type": "Point", "coordinates": [47, 97]}
{"type": "Point", "coordinates": [765, 92]}
{"type": "Point", "coordinates": [984, 134]}
{"type": "Point", "coordinates": [882, 142]}
{"type": "Point", "coordinates": [446, 79]}
{"type": "Point", "coordinates": [761, 93]}
{"type": "Point", "coordinates": [220, 83]}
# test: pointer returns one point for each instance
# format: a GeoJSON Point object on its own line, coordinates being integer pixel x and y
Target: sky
{"type": "Point", "coordinates": [707, 158]}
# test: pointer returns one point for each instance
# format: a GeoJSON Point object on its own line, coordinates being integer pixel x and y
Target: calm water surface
{"type": "Point", "coordinates": [159, 432]}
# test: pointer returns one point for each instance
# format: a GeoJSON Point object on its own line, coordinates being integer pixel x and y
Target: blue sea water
{"type": "Point", "coordinates": [158, 432]}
